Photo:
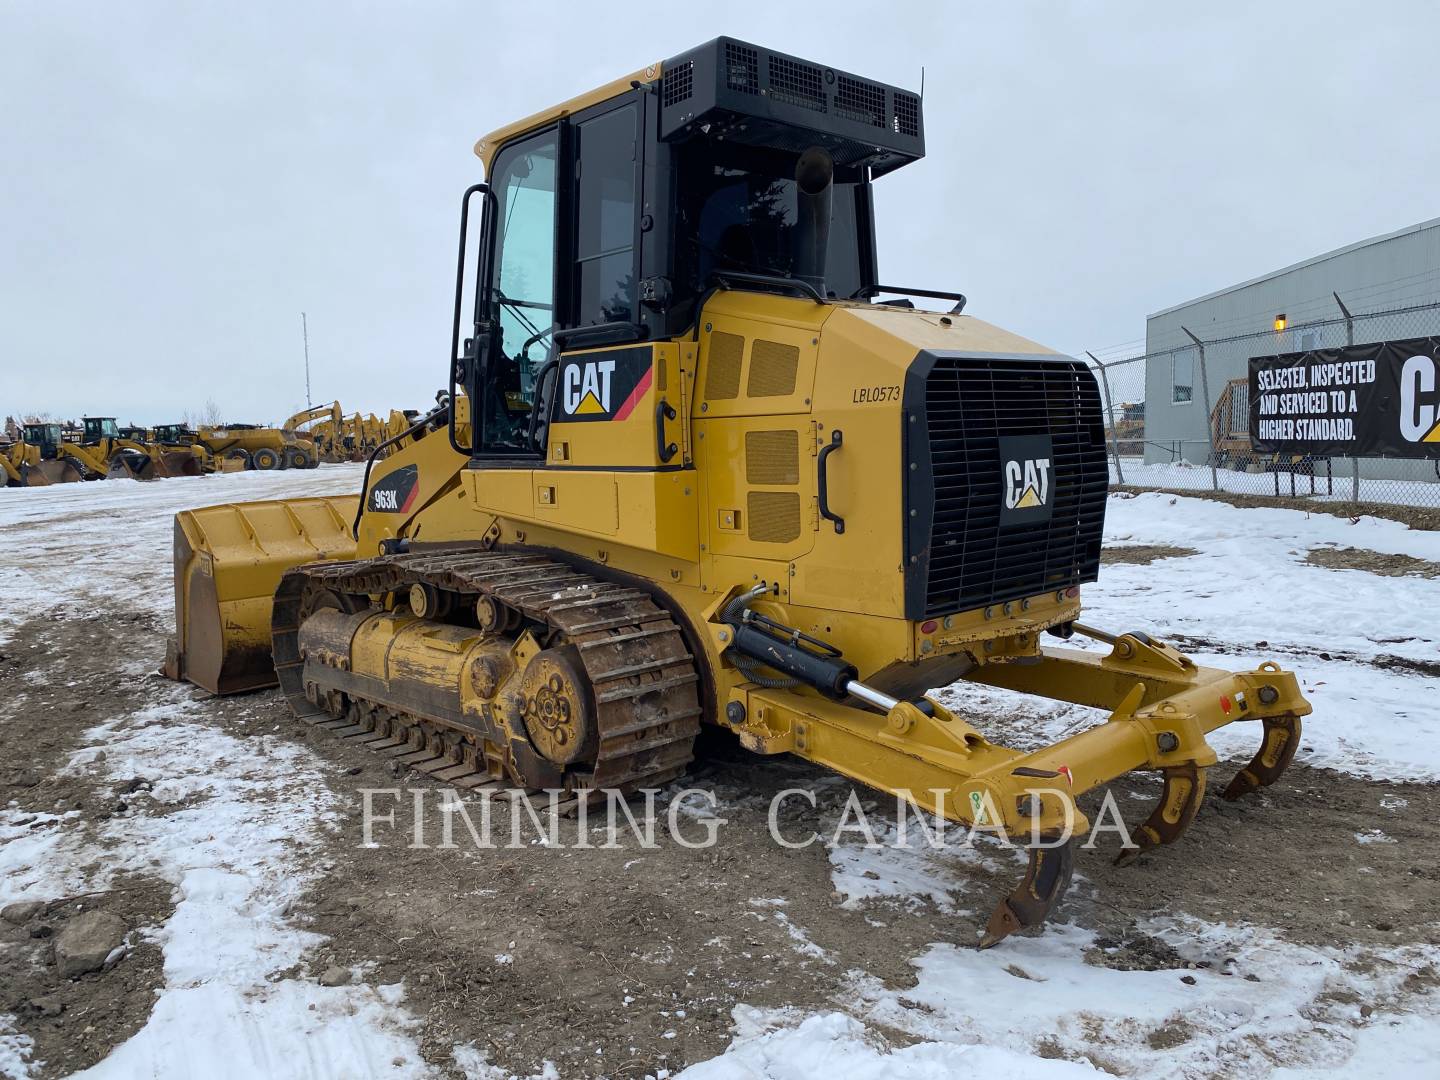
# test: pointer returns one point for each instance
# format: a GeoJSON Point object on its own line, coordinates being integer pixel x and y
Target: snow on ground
{"type": "Point", "coordinates": [1039, 993]}
{"type": "Point", "coordinates": [1249, 583]}
{"type": "Point", "coordinates": [1015, 1008]}
{"type": "Point", "coordinates": [107, 543]}
{"type": "Point", "coordinates": [1184, 475]}
{"type": "Point", "coordinates": [776, 1045]}
{"type": "Point", "coordinates": [232, 837]}
{"type": "Point", "coordinates": [229, 830]}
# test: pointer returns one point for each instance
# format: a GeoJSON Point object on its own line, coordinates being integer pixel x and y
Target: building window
{"type": "Point", "coordinates": [1309, 341]}
{"type": "Point", "coordinates": [1182, 377]}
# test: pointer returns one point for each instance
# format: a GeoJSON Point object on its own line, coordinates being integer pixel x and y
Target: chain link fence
{"type": "Point", "coordinates": [1198, 432]}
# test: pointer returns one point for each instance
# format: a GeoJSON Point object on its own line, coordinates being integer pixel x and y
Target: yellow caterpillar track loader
{"type": "Point", "coordinates": [690, 470]}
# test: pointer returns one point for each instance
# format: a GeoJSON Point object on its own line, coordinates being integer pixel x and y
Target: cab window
{"type": "Point", "coordinates": [605, 216]}
{"type": "Point", "coordinates": [524, 185]}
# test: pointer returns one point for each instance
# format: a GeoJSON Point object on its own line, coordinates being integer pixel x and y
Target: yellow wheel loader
{"type": "Point", "coordinates": [106, 452]}
{"type": "Point", "coordinates": [691, 470]}
{"type": "Point", "coordinates": [178, 453]}
{"type": "Point", "coordinates": [38, 458]}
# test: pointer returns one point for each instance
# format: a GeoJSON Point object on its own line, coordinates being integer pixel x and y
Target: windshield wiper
{"type": "Point", "coordinates": [517, 305]}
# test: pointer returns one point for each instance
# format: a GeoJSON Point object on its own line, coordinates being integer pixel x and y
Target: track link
{"type": "Point", "coordinates": [643, 678]}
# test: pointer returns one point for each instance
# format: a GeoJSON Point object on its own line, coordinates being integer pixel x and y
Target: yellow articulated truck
{"type": "Point", "coordinates": [699, 464]}
{"type": "Point", "coordinates": [257, 447]}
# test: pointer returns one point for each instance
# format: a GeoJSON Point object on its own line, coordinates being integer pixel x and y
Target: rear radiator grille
{"type": "Point", "coordinates": [970, 559]}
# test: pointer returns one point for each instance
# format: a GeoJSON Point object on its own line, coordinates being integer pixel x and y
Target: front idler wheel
{"type": "Point", "coordinates": [558, 708]}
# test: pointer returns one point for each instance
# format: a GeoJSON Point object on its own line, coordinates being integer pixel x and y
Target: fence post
{"type": "Point", "coordinates": [1110, 412]}
{"type": "Point", "coordinates": [1350, 340]}
{"type": "Point", "coordinates": [1209, 422]}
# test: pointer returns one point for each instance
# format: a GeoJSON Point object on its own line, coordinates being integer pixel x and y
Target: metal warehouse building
{"type": "Point", "coordinates": [1388, 287]}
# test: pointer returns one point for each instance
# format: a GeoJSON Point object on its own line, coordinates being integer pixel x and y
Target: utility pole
{"type": "Point", "coordinates": [305, 330]}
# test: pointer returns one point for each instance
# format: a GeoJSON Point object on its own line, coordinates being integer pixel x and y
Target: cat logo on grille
{"type": "Point", "coordinates": [1027, 478]}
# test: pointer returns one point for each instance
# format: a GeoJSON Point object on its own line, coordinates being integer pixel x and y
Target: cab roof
{"type": "Point", "coordinates": [486, 147]}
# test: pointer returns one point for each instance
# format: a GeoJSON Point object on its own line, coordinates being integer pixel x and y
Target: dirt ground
{"type": "Point", "coordinates": [1373, 562]}
{"type": "Point", "coordinates": [1143, 554]}
{"type": "Point", "coordinates": [628, 960]}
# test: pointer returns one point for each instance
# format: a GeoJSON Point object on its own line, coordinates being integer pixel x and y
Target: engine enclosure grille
{"type": "Point", "coordinates": [962, 552]}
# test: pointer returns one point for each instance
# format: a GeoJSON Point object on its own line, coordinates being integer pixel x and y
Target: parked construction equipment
{"type": "Point", "coordinates": [690, 469]}
{"type": "Point", "coordinates": [37, 458]}
{"type": "Point", "coordinates": [263, 448]}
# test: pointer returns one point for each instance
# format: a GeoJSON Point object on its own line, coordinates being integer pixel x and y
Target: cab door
{"type": "Point", "coordinates": [618, 451]}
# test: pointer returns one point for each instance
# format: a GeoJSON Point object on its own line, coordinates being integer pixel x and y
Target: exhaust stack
{"type": "Point", "coordinates": [814, 173]}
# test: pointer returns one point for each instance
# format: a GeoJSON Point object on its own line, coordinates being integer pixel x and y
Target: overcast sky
{"type": "Point", "coordinates": [179, 181]}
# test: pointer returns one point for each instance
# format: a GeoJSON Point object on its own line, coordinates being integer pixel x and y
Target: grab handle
{"type": "Point", "coordinates": [664, 411]}
{"type": "Point", "coordinates": [837, 439]}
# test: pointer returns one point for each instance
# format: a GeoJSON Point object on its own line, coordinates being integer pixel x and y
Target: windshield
{"type": "Point", "coordinates": [739, 210]}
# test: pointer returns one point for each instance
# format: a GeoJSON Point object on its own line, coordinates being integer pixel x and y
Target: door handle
{"type": "Point", "coordinates": [837, 439]}
{"type": "Point", "coordinates": [664, 411]}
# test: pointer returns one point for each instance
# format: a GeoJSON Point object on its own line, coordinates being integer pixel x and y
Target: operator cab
{"type": "Point", "coordinates": [45, 436]}
{"type": "Point", "coordinates": [174, 434]}
{"type": "Point", "coordinates": [98, 428]}
{"type": "Point", "coordinates": [730, 166]}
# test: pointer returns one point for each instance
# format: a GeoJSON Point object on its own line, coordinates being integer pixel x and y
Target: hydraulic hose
{"type": "Point", "coordinates": [734, 614]}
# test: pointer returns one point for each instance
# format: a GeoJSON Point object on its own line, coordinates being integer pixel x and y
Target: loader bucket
{"type": "Point", "coordinates": [228, 561]}
{"type": "Point", "coordinates": [177, 463]}
{"type": "Point", "coordinates": [131, 466]}
{"type": "Point", "coordinates": [45, 473]}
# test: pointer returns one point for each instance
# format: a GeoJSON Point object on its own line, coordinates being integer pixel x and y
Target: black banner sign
{"type": "Point", "coordinates": [1358, 401]}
